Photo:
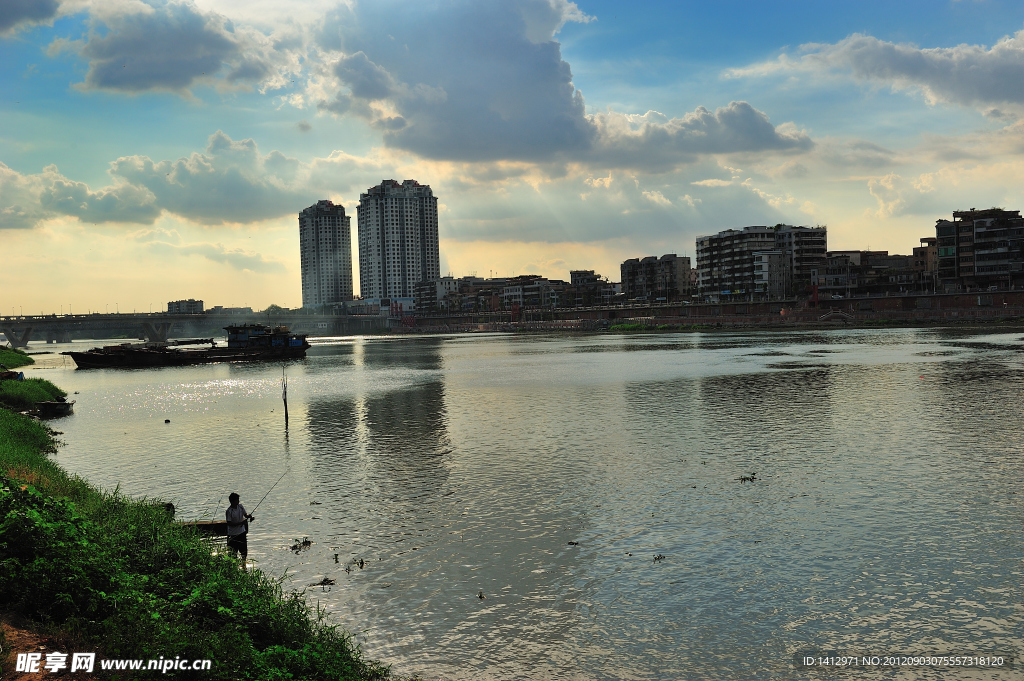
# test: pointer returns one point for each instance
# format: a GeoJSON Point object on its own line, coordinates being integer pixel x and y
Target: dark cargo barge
{"type": "Point", "coordinates": [246, 343]}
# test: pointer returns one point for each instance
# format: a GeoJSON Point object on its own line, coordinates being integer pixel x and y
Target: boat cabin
{"type": "Point", "coordinates": [262, 336]}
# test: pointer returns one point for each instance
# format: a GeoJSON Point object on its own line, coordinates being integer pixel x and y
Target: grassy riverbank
{"type": "Point", "coordinates": [12, 359]}
{"type": "Point", "coordinates": [23, 395]}
{"type": "Point", "coordinates": [98, 571]}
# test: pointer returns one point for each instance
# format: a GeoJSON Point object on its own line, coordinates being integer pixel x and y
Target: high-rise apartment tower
{"type": "Point", "coordinates": [397, 239]}
{"type": "Point", "coordinates": [325, 244]}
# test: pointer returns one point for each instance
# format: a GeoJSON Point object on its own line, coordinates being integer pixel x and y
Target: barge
{"type": "Point", "coordinates": [246, 343]}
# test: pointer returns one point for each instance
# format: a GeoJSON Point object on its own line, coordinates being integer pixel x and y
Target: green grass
{"type": "Point", "coordinates": [101, 571]}
{"type": "Point", "coordinates": [23, 395]}
{"type": "Point", "coordinates": [12, 358]}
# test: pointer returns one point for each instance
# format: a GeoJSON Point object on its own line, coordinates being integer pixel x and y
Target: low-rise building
{"type": "Point", "coordinates": [531, 291]}
{"type": "Point", "coordinates": [980, 250]}
{"type": "Point", "coordinates": [190, 306]}
{"type": "Point", "coordinates": [666, 278]}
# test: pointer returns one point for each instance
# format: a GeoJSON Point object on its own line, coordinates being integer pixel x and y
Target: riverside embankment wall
{"type": "Point", "coordinates": [953, 308]}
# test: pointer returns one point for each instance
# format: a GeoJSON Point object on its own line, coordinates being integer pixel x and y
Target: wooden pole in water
{"type": "Point", "coordinates": [284, 396]}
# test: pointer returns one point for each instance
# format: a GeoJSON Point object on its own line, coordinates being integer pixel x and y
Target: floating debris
{"type": "Point", "coordinates": [314, 503]}
{"type": "Point", "coordinates": [574, 543]}
{"type": "Point", "coordinates": [348, 569]}
{"type": "Point", "coordinates": [748, 478]}
{"type": "Point", "coordinates": [301, 545]}
{"type": "Point", "coordinates": [326, 581]}
{"type": "Point", "coordinates": [361, 563]}
{"type": "Point", "coordinates": [659, 557]}
{"type": "Point", "coordinates": [167, 420]}
{"type": "Point", "coordinates": [335, 558]}
{"type": "Point", "coordinates": [481, 595]}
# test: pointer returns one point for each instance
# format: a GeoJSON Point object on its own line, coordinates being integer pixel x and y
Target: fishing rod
{"type": "Point", "coordinates": [269, 491]}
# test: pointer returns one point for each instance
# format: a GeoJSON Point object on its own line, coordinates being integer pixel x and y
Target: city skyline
{"type": "Point", "coordinates": [161, 150]}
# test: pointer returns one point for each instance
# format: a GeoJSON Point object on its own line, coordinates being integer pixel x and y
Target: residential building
{"type": "Point", "coordinates": [432, 294]}
{"type": "Point", "coordinates": [980, 250]}
{"type": "Point", "coordinates": [189, 306]}
{"type": "Point", "coordinates": [771, 275]}
{"type": "Point", "coordinates": [398, 246]}
{"type": "Point", "coordinates": [725, 261]}
{"type": "Point", "coordinates": [531, 291]}
{"type": "Point", "coordinates": [220, 309]}
{"type": "Point", "coordinates": [587, 289]}
{"type": "Point", "coordinates": [868, 273]}
{"type": "Point", "coordinates": [666, 278]}
{"type": "Point", "coordinates": [325, 251]}
{"type": "Point", "coordinates": [804, 248]}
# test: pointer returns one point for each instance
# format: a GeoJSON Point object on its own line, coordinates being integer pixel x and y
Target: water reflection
{"type": "Point", "coordinates": [885, 516]}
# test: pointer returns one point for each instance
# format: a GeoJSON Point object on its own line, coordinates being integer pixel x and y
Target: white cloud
{"type": "Point", "coordinates": [657, 198]}
{"type": "Point", "coordinates": [964, 74]}
{"type": "Point", "coordinates": [231, 182]}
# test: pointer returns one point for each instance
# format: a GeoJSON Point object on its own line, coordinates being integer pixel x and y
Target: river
{"type": "Point", "coordinates": [549, 473]}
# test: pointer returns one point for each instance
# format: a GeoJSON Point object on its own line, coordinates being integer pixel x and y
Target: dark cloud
{"type": "Point", "coordinates": [170, 46]}
{"type": "Point", "coordinates": [365, 79]}
{"type": "Point", "coordinates": [477, 82]}
{"type": "Point", "coordinates": [17, 13]}
{"type": "Point", "coordinates": [462, 80]}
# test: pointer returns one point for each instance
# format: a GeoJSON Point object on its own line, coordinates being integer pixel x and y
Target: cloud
{"type": "Point", "coordinates": [25, 200]}
{"type": "Point", "coordinates": [654, 141]}
{"type": "Point", "coordinates": [237, 258]}
{"type": "Point", "coordinates": [231, 182]}
{"type": "Point", "coordinates": [16, 14]}
{"type": "Point", "coordinates": [172, 46]}
{"type": "Point", "coordinates": [121, 202]}
{"type": "Point", "coordinates": [479, 82]}
{"type": "Point", "coordinates": [965, 74]}
{"type": "Point", "coordinates": [657, 198]}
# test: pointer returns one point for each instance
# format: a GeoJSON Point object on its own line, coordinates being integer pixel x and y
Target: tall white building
{"type": "Point", "coordinates": [397, 239]}
{"type": "Point", "coordinates": [325, 243]}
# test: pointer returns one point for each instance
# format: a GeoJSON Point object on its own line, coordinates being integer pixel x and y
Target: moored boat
{"type": "Point", "coordinates": [246, 343]}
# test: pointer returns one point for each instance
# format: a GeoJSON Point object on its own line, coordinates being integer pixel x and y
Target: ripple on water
{"type": "Point", "coordinates": [547, 473]}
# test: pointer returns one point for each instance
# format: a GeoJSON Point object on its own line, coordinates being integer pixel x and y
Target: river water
{"type": "Point", "coordinates": [546, 473]}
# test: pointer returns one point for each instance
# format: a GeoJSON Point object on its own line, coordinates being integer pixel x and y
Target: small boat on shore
{"type": "Point", "coordinates": [246, 343]}
{"type": "Point", "coordinates": [211, 528]}
{"type": "Point", "coordinates": [55, 409]}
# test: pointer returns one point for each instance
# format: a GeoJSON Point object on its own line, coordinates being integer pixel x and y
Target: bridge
{"type": "Point", "coordinates": [161, 326]}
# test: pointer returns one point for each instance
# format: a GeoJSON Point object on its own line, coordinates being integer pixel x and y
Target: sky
{"type": "Point", "coordinates": [152, 151]}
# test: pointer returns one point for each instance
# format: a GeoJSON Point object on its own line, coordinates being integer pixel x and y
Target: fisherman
{"type": "Point", "coordinates": [238, 527]}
